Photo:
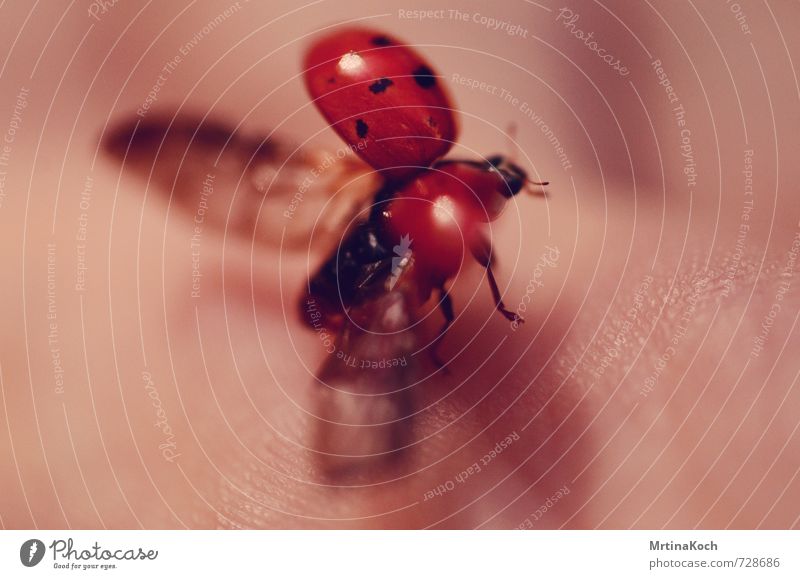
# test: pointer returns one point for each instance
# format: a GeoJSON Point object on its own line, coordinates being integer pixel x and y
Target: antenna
{"type": "Point", "coordinates": [512, 149]}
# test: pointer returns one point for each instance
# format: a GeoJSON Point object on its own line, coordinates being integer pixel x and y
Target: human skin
{"type": "Point", "coordinates": [179, 411]}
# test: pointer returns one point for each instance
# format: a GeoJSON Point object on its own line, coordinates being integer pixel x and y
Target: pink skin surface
{"type": "Point", "coordinates": [652, 385]}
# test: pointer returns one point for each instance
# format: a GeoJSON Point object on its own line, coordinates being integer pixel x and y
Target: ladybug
{"type": "Point", "coordinates": [387, 103]}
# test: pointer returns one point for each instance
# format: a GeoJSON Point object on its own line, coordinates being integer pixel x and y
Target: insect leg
{"type": "Point", "coordinates": [446, 305]}
{"type": "Point", "coordinates": [482, 252]}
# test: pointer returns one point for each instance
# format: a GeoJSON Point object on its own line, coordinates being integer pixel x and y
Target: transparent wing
{"type": "Point", "coordinates": [364, 403]}
{"type": "Point", "coordinates": [263, 189]}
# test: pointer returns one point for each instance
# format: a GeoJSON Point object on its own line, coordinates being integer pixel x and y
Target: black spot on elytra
{"type": "Point", "coordinates": [424, 77]}
{"type": "Point", "coordinates": [361, 128]}
{"type": "Point", "coordinates": [381, 41]}
{"type": "Point", "coordinates": [380, 85]}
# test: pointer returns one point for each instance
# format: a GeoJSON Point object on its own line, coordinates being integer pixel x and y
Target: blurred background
{"type": "Point", "coordinates": [130, 403]}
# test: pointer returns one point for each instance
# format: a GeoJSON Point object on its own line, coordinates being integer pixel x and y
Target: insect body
{"type": "Point", "coordinates": [385, 101]}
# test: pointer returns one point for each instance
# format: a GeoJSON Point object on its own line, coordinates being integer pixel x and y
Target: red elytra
{"type": "Point", "coordinates": [382, 98]}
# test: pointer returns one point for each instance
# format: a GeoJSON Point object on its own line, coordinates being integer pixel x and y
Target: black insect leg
{"type": "Point", "coordinates": [498, 302]}
{"type": "Point", "coordinates": [446, 306]}
{"type": "Point", "coordinates": [482, 252]}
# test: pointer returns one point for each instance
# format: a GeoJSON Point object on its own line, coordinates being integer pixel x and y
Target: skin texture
{"type": "Point", "coordinates": [642, 391]}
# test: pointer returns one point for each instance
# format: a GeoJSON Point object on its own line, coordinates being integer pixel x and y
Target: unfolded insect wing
{"type": "Point", "coordinates": [267, 190]}
{"type": "Point", "coordinates": [365, 387]}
